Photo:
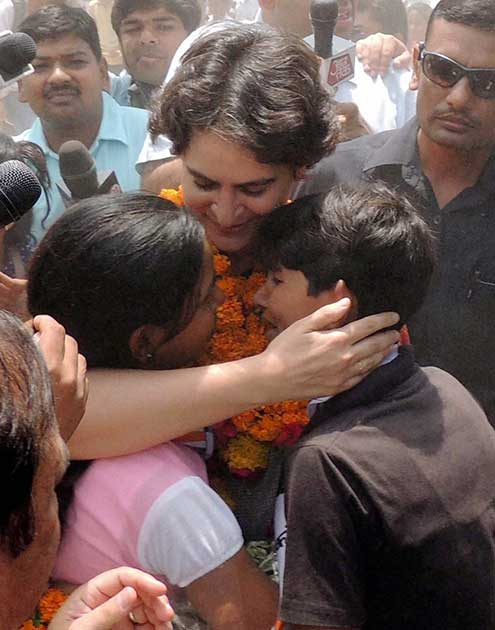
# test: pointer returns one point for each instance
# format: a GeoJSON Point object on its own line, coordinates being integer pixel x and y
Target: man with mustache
{"type": "Point", "coordinates": [445, 160]}
{"type": "Point", "coordinates": [66, 93]}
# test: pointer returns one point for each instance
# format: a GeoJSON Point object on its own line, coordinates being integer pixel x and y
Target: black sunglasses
{"type": "Point", "coordinates": [446, 73]}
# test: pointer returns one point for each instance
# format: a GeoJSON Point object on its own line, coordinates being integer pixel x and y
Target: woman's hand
{"type": "Point", "coordinates": [67, 369]}
{"type": "Point", "coordinates": [104, 603]}
{"type": "Point", "coordinates": [314, 357]}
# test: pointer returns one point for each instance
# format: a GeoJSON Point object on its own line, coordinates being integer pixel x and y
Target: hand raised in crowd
{"type": "Point", "coordinates": [67, 369]}
{"type": "Point", "coordinates": [352, 123]}
{"type": "Point", "coordinates": [13, 295]}
{"type": "Point", "coordinates": [376, 52]}
{"type": "Point", "coordinates": [106, 601]}
{"type": "Point", "coordinates": [315, 357]}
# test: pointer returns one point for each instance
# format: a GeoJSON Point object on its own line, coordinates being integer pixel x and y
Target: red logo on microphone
{"type": "Point", "coordinates": [340, 69]}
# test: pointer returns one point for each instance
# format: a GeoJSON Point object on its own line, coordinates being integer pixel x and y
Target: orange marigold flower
{"type": "Point", "coordinates": [174, 195]}
{"type": "Point", "coordinates": [245, 420]}
{"type": "Point", "coordinates": [228, 285]}
{"type": "Point", "coordinates": [230, 315]}
{"type": "Point", "coordinates": [50, 603]}
{"type": "Point", "coordinates": [267, 430]}
{"type": "Point", "coordinates": [253, 284]}
{"type": "Point", "coordinates": [29, 625]}
{"type": "Point", "coordinates": [221, 264]}
{"type": "Point", "coordinates": [243, 452]}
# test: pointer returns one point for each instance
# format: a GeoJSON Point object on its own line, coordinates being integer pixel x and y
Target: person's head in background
{"type": "Point", "coordinates": [150, 32]}
{"type": "Point", "coordinates": [292, 16]}
{"type": "Point", "coordinates": [367, 244]}
{"type": "Point", "coordinates": [246, 113]}
{"type": "Point", "coordinates": [455, 112]}
{"type": "Point", "coordinates": [27, 152]}
{"type": "Point", "coordinates": [65, 90]}
{"type": "Point", "coordinates": [381, 16]}
{"type": "Point", "coordinates": [33, 460]}
{"type": "Point", "coordinates": [131, 278]}
{"type": "Point", "coordinates": [418, 15]}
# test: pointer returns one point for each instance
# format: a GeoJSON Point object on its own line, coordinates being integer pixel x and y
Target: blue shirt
{"type": "Point", "coordinates": [116, 148]}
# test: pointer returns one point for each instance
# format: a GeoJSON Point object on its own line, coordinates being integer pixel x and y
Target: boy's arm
{"type": "Point", "coordinates": [323, 585]}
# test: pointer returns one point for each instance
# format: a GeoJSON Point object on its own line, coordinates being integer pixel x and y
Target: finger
{"type": "Point", "coordinates": [403, 61]}
{"type": "Point", "coordinates": [113, 613]}
{"type": "Point", "coordinates": [51, 342]}
{"type": "Point", "coordinates": [327, 317]}
{"type": "Point", "coordinates": [363, 328]}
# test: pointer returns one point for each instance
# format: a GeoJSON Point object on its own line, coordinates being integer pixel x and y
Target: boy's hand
{"type": "Point", "coordinates": [13, 295]}
{"type": "Point", "coordinates": [106, 601]}
{"type": "Point", "coordinates": [67, 369]}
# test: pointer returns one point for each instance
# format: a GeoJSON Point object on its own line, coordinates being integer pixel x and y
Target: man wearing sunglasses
{"type": "Point", "coordinates": [445, 161]}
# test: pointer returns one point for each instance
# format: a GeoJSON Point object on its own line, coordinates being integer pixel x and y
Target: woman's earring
{"type": "Point", "coordinates": [150, 359]}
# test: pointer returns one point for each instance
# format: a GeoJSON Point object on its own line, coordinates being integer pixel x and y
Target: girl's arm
{"type": "Point", "coordinates": [130, 410]}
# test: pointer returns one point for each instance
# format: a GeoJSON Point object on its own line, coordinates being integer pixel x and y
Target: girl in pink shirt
{"type": "Point", "coordinates": [132, 279]}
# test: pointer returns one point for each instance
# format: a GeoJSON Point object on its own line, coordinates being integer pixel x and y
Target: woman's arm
{"type": "Point", "coordinates": [131, 410]}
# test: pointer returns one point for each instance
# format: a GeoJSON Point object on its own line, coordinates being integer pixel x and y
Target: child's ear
{"type": "Point", "coordinates": [144, 341]}
{"type": "Point", "coordinates": [340, 291]}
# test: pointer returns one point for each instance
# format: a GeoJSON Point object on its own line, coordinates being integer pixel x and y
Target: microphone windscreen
{"type": "Point", "coordinates": [78, 169]}
{"type": "Point", "coordinates": [19, 190]}
{"type": "Point", "coordinates": [17, 50]}
{"type": "Point", "coordinates": [324, 14]}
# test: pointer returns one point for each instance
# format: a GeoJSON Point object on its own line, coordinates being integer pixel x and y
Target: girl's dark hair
{"type": "Point", "coordinates": [254, 86]}
{"type": "Point", "coordinates": [114, 263]}
{"type": "Point", "coordinates": [28, 152]}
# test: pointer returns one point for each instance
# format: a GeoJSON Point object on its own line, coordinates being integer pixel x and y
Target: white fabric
{"type": "Point", "coordinates": [6, 15]}
{"type": "Point", "coordinates": [187, 512]}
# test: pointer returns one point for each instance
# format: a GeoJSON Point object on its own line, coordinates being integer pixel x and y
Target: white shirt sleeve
{"type": "Point", "coordinates": [188, 532]}
{"type": "Point", "coordinates": [6, 15]}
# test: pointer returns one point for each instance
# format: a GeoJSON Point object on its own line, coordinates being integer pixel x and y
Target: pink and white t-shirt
{"type": "Point", "coordinates": [151, 510]}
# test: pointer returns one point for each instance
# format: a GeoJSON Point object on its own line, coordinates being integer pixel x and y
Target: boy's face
{"type": "Point", "coordinates": [284, 299]}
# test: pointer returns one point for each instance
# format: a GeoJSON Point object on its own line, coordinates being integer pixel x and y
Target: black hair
{"type": "Point", "coordinates": [54, 22]}
{"type": "Point", "coordinates": [27, 418]}
{"type": "Point", "coordinates": [479, 14]}
{"type": "Point", "coordinates": [390, 13]}
{"type": "Point", "coordinates": [188, 11]}
{"type": "Point", "coordinates": [255, 86]}
{"type": "Point", "coordinates": [113, 263]}
{"type": "Point", "coordinates": [372, 238]}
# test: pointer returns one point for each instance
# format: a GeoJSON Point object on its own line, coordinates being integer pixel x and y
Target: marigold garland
{"type": "Point", "coordinates": [47, 608]}
{"type": "Point", "coordinates": [245, 440]}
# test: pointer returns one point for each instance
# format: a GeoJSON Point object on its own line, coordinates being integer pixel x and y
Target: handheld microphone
{"type": "Point", "coordinates": [17, 50]}
{"type": "Point", "coordinates": [324, 15]}
{"type": "Point", "coordinates": [78, 169]}
{"type": "Point", "coordinates": [19, 191]}
{"type": "Point", "coordinates": [337, 54]}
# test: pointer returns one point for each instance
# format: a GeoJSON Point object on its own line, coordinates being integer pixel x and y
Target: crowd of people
{"type": "Point", "coordinates": [271, 328]}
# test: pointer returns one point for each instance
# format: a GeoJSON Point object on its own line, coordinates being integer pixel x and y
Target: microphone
{"type": "Point", "coordinates": [337, 54]}
{"type": "Point", "coordinates": [19, 191]}
{"type": "Point", "coordinates": [78, 169]}
{"type": "Point", "coordinates": [17, 50]}
{"type": "Point", "coordinates": [324, 15]}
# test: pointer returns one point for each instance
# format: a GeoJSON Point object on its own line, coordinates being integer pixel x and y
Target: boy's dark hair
{"type": "Point", "coordinates": [390, 13]}
{"type": "Point", "coordinates": [114, 263]}
{"type": "Point", "coordinates": [188, 11]}
{"type": "Point", "coordinates": [27, 419]}
{"type": "Point", "coordinates": [254, 86]}
{"type": "Point", "coordinates": [54, 22]}
{"type": "Point", "coordinates": [371, 238]}
{"type": "Point", "coordinates": [479, 14]}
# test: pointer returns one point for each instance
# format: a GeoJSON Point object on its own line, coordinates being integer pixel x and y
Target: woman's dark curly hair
{"type": "Point", "coordinates": [254, 86]}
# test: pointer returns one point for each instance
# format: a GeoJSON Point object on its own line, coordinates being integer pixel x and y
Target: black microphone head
{"type": "Point", "coordinates": [17, 50]}
{"type": "Point", "coordinates": [19, 190]}
{"type": "Point", "coordinates": [324, 10]}
{"type": "Point", "coordinates": [78, 169]}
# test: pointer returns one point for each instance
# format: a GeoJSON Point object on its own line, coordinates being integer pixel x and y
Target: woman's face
{"type": "Point", "coordinates": [229, 191]}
